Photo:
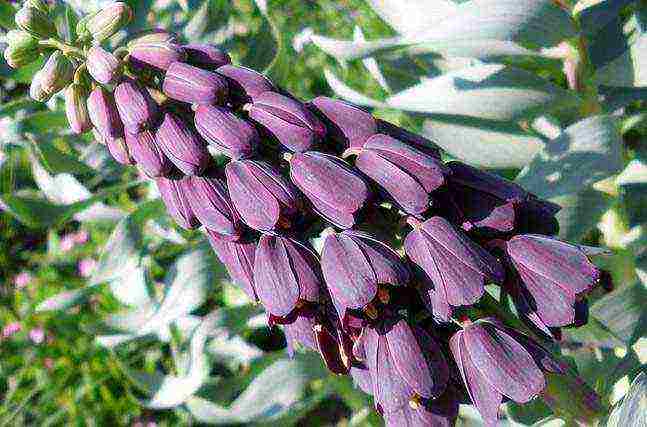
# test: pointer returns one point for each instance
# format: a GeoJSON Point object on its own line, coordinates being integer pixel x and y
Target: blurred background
{"type": "Point", "coordinates": [111, 315]}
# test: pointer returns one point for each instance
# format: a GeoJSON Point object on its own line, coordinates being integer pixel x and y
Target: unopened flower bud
{"type": "Point", "coordinates": [102, 65]}
{"type": "Point", "coordinates": [36, 91]}
{"type": "Point", "coordinates": [106, 22]}
{"type": "Point", "coordinates": [76, 108]}
{"type": "Point", "coordinates": [190, 84]}
{"type": "Point", "coordinates": [244, 84]}
{"type": "Point", "coordinates": [35, 22]}
{"type": "Point", "coordinates": [118, 150]}
{"type": "Point", "coordinates": [158, 56]}
{"type": "Point", "coordinates": [173, 194]}
{"type": "Point", "coordinates": [210, 202]}
{"type": "Point", "coordinates": [346, 123]}
{"type": "Point", "coordinates": [149, 156]}
{"type": "Point", "coordinates": [288, 120]}
{"type": "Point", "coordinates": [221, 128]}
{"type": "Point", "coordinates": [23, 48]}
{"type": "Point", "coordinates": [152, 36]}
{"type": "Point", "coordinates": [182, 146]}
{"type": "Point", "coordinates": [206, 56]}
{"type": "Point", "coordinates": [57, 73]}
{"type": "Point", "coordinates": [136, 107]}
{"type": "Point", "coordinates": [103, 113]}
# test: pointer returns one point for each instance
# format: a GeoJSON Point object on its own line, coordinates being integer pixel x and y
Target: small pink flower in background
{"type": "Point", "coordinates": [11, 329]}
{"type": "Point", "coordinates": [67, 242]}
{"type": "Point", "coordinates": [138, 424]}
{"type": "Point", "coordinates": [86, 267]}
{"type": "Point", "coordinates": [37, 335]}
{"type": "Point", "coordinates": [49, 363]}
{"type": "Point", "coordinates": [151, 424]}
{"type": "Point", "coordinates": [23, 279]}
{"type": "Point", "coordinates": [81, 237]}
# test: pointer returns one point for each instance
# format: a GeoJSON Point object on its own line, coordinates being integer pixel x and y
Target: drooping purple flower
{"type": "Point", "coordinates": [206, 56]}
{"type": "Point", "coordinates": [300, 332]}
{"type": "Point", "coordinates": [147, 154]}
{"type": "Point", "coordinates": [102, 65]}
{"type": "Point", "coordinates": [244, 84]}
{"type": "Point", "coordinates": [173, 192]}
{"type": "Point", "coordinates": [262, 197]}
{"type": "Point", "coordinates": [210, 203]}
{"type": "Point", "coordinates": [186, 83]}
{"type": "Point", "coordinates": [221, 128]}
{"type": "Point", "coordinates": [182, 146]}
{"type": "Point", "coordinates": [156, 55]}
{"type": "Point", "coordinates": [405, 367]}
{"type": "Point", "coordinates": [354, 265]}
{"type": "Point", "coordinates": [286, 275]}
{"type": "Point", "coordinates": [486, 203]}
{"type": "Point", "coordinates": [552, 276]}
{"type": "Point", "coordinates": [405, 173]}
{"type": "Point", "coordinates": [136, 107]}
{"type": "Point", "coordinates": [347, 124]}
{"type": "Point", "coordinates": [288, 120]}
{"type": "Point", "coordinates": [362, 379]}
{"type": "Point", "coordinates": [118, 150]}
{"type": "Point", "coordinates": [103, 113]}
{"type": "Point", "coordinates": [536, 216]}
{"type": "Point", "coordinates": [76, 109]}
{"type": "Point", "coordinates": [440, 412]}
{"type": "Point", "coordinates": [335, 190]}
{"type": "Point", "coordinates": [496, 361]}
{"type": "Point", "coordinates": [238, 259]}
{"type": "Point", "coordinates": [419, 142]}
{"type": "Point", "coordinates": [454, 270]}
{"type": "Point", "coordinates": [333, 346]}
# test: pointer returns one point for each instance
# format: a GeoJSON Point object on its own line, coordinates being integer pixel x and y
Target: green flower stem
{"type": "Point", "coordinates": [78, 74]}
{"type": "Point", "coordinates": [68, 50]}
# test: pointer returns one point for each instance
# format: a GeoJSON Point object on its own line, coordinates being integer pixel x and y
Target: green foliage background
{"type": "Point", "coordinates": [167, 371]}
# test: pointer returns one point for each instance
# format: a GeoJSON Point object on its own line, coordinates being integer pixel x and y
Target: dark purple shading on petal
{"type": "Point", "coordinates": [407, 174]}
{"type": "Point", "coordinates": [186, 83]}
{"type": "Point", "coordinates": [409, 360]}
{"type": "Point", "coordinates": [331, 350]}
{"type": "Point", "coordinates": [419, 142]}
{"type": "Point", "coordinates": [173, 192]}
{"type": "Point", "coordinates": [244, 84]}
{"type": "Point", "coordinates": [206, 56]}
{"type": "Point", "coordinates": [210, 202]}
{"type": "Point", "coordinates": [486, 182]}
{"type": "Point", "coordinates": [457, 267]}
{"type": "Point", "coordinates": [182, 146]}
{"type": "Point", "coordinates": [158, 56]}
{"type": "Point", "coordinates": [148, 155]}
{"type": "Point", "coordinates": [347, 124]}
{"type": "Point", "coordinates": [137, 109]}
{"type": "Point", "coordinates": [285, 273]}
{"type": "Point", "coordinates": [238, 259]}
{"type": "Point", "coordinates": [335, 190]}
{"type": "Point", "coordinates": [288, 120]}
{"type": "Point", "coordinates": [262, 197]}
{"type": "Point", "coordinates": [503, 362]}
{"type": "Point", "coordinates": [550, 261]}
{"type": "Point", "coordinates": [485, 214]}
{"type": "Point", "coordinates": [221, 128]}
{"type": "Point", "coordinates": [484, 396]}
{"type": "Point", "coordinates": [103, 113]}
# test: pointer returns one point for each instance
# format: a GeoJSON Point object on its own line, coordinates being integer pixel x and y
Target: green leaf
{"type": "Point", "coordinates": [580, 212]}
{"type": "Point", "coordinates": [622, 312]}
{"type": "Point", "coordinates": [532, 23]}
{"type": "Point", "coordinates": [490, 92]}
{"type": "Point", "coordinates": [26, 74]}
{"type": "Point", "coordinates": [586, 152]}
{"type": "Point", "coordinates": [614, 98]}
{"type": "Point", "coordinates": [39, 213]}
{"type": "Point", "coordinates": [484, 143]}
{"type": "Point", "coordinates": [274, 393]}
{"type": "Point", "coordinates": [265, 46]}
{"type": "Point", "coordinates": [7, 12]}
{"type": "Point", "coordinates": [593, 333]}
{"type": "Point", "coordinates": [12, 107]}
{"type": "Point", "coordinates": [44, 122]}
{"type": "Point", "coordinates": [57, 161]}
{"type": "Point", "coordinates": [413, 16]}
{"type": "Point", "coordinates": [571, 399]}
{"type": "Point", "coordinates": [632, 410]}
{"type": "Point", "coordinates": [65, 300]}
